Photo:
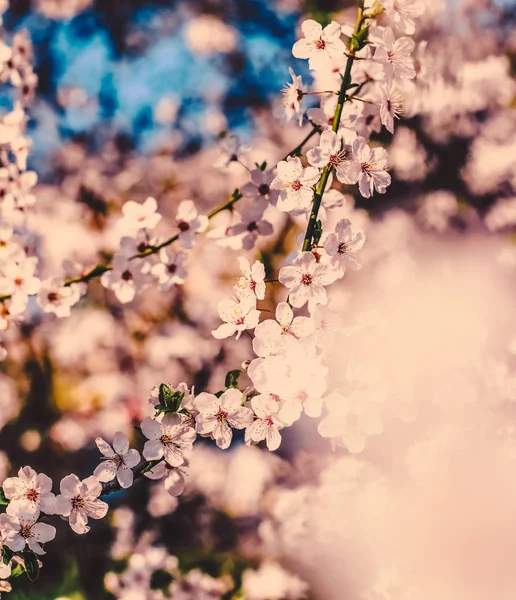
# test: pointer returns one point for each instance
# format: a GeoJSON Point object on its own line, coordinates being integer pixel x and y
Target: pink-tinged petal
{"type": "Point", "coordinates": [45, 483]}
{"type": "Point", "coordinates": [43, 532]}
{"type": "Point", "coordinates": [206, 403]}
{"type": "Point", "coordinates": [240, 418]}
{"type": "Point", "coordinates": [16, 544]}
{"type": "Point", "coordinates": [131, 458]}
{"type": "Point", "coordinates": [104, 448]}
{"type": "Point", "coordinates": [106, 471]}
{"type": "Point", "coordinates": [69, 485]}
{"type": "Point", "coordinates": [354, 438]}
{"type": "Point", "coordinates": [35, 547]}
{"type": "Point", "coordinates": [151, 429]}
{"type": "Point", "coordinates": [157, 472]}
{"type": "Point", "coordinates": [78, 521]}
{"type": "Point", "coordinates": [27, 474]}
{"type": "Point", "coordinates": [153, 450]}
{"type": "Point", "coordinates": [173, 455]}
{"type": "Point", "coordinates": [273, 439]}
{"type": "Point", "coordinates": [93, 486]}
{"type": "Point", "coordinates": [120, 443]}
{"type": "Point", "coordinates": [48, 503]}
{"type": "Point", "coordinates": [174, 483]}
{"type": "Point", "coordinates": [11, 485]}
{"type": "Point", "coordinates": [62, 506]}
{"type": "Point", "coordinates": [231, 400]}
{"type": "Point", "coordinates": [311, 29]}
{"type": "Point", "coordinates": [222, 435]}
{"type": "Point", "coordinates": [125, 476]}
{"type": "Point", "coordinates": [150, 205]}
{"type": "Point", "coordinates": [224, 331]}
{"type": "Point", "coordinates": [302, 327]}
{"type": "Point", "coordinates": [289, 275]}
{"type": "Point", "coordinates": [333, 29]}
{"type": "Point", "coordinates": [96, 509]}
{"type": "Point", "coordinates": [205, 424]}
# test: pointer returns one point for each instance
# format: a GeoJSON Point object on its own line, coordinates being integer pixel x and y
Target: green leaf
{"type": "Point", "coordinates": [218, 394]}
{"type": "Point", "coordinates": [169, 401]}
{"type": "Point", "coordinates": [31, 565]}
{"type": "Point", "coordinates": [7, 554]}
{"type": "Point", "coordinates": [232, 378]}
{"type": "Point", "coordinates": [3, 499]}
{"type": "Point", "coordinates": [261, 167]}
{"type": "Point", "coordinates": [317, 232]}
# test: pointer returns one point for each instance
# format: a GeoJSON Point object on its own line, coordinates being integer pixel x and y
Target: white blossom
{"type": "Point", "coordinates": [319, 45]}
{"type": "Point", "coordinates": [139, 216]}
{"type": "Point", "coordinates": [189, 222]}
{"type": "Point", "coordinates": [22, 529]}
{"type": "Point", "coordinates": [30, 492]}
{"type": "Point", "coordinates": [238, 315]}
{"type": "Point", "coordinates": [373, 165]}
{"type": "Point", "coordinates": [79, 500]}
{"type": "Point", "coordinates": [252, 281]}
{"type": "Point", "coordinates": [295, 185]}
{"type": "Point", "coordinates": [344, 244]}
{"type": "Point", "coordinates": [119, 461]}
{"type": "Point", "coordinates": [54, 297]}
{"type": "Point", "coordinates": [167, 439]}
{"type": "Point", "coordinates": [395, 55]}
{"type": "Point", "coordinates": [267, 423]}
{"type": "Point", "coordinates": [292, 96]}
{"type": "Point", "coordinates": [338, 155]}
{"type": "Point", "coordinates": [170, 270]}
{"type": "Point", "coordinates": [403, 12]}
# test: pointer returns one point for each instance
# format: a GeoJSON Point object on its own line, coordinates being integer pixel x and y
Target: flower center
{"type": "Point", "coordinates": [127, 275]}
{"type": "Point", "coordinates": [221, 415]}
{"type": "Point", "coordinates": [53, 297]}
{"type": "Point", "coordinates": [252, 226]}
{"type": "Point", "coordinates": [32, 495]}
{"type": "Point", "coordinates": [296, 185]}
{"type": "Point", "coordinates": [263, 190]}
{"type": "Point", "coordinates": [172, 269]}
{"type": "Point", "coordinates": [77, 502]}
{"type": "Point", "coordinates": [25, 531]}
{"type": "Point", "coordinates": [166, 439]}
{"type": "Point", "coordinates": [320, 44]}
{"type": "Point", "coordinates": [342, 249]}
{"type": "Point", "coordinates": [269, 421]}
{"type": "Point", "coordinates": [306, 279]}
{"type": "Point", "coordinates": [183, 226]}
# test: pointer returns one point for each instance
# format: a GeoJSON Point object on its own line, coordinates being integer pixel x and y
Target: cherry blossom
{"type": "Point", "coordinates": [292, 96]}
{"type": "Point", "coordinates": [230, 149]}
{"type": "Point", "coordinates": [238, 315]}
{"type": "Point", "coordinates": [252, 224]}
{"type": "Point", "coordinates": [119, 461]}
{"type": "Point", "coordinates": [18, 278]}
{"type": "Point", "coordinates": [351, 419]}
{"type": "Point", "coordinates": [55, 297]}
{"type": "Point", "coordinates": [276, 333]}
{"type": "Point", "coordinates": [305, 280]}
{"type": "Point", "coordinates": [403, 12]}
{"type": "Point", "coordinates": [217, 416]}
{"type": "Point", "coordinates": [294, 184]}
{"type": "Point", "coordinates": [170, 270]}
{"type": "Point", "coordinates": [344, 244]}
{"type": "Point", "coordinates": [267, 423]}
{"type": "Point", "coordinates": [260, 187]}
{"type": "Point", "coordinates": [391, 106]}
{"type": "Point", "coordinates": [30, 492]}
{"type": "Point", "coordinates": [22, 529]}
{"type": "Point", "coordinates": [331, 151]}
{"type": "Point", "coordinates": [189, 222]}
{"type": "Point", "coordinates": [395, 55]}
{"type": "Point", "coordinates": [79, 500]}
{"type": "Point", "coordinates": [139, 216]}
{"type": "Point", "coordinates": [125, 278]}
{"type": "Point", "coordinates": [319, 45]}
{"type": "Point", "coordinates": [167, 439]}
{"type": "Point", "coordinates": [252, 281]}
{"type": "Point", "coordinates": [373, 164]}
{"type": "Point", "coordinates": [174, 478]}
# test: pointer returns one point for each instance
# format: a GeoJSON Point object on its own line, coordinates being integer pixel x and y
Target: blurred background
{"type": "Point", "coordinates": [132, 99]}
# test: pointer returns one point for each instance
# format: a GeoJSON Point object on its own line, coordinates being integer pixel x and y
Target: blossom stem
{"type": "Point", "coordinates": [297, 150]}
{"type": "Point", "coordinates": [345, 85]}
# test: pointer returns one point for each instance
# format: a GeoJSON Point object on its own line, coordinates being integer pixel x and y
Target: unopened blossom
{"type": "Point", "coordinates": [403, 12]}
{"type": "Point", "coordinates": [351, 419]}
{"type": "Point", "coordinates": [277, 333]}
{"type": "Point", "coordinates": [119, 461]}
{"type": "Point", "coordinates": [238, 315]}
{"type": "Point", "coordinates": [79, 500]}
{"type": "Point", "coordinates": [170, 270]}
{"type": "Point", "coordinates": [174, 478]}
{"type": "Point", "coordinates": [18, 279]}
{"type": "Point", "coordinates": [292, 96]}
{"type": "Point", "coordinates": [391, 106]}
{"type": "Point", "coordinates": [295, 184]}
{"type": "Point", "coordinates": [22, 529]}
{"type": "Point", "coordinates": [306, 280]}
{"type": "Point", "coordinates": [344, 245]}
{"type": "Point", "coordinates": [319, 45]}
{"type": "Point", "coordinates": [252, 225]}
{"type": "Point", "coordinates": [267, 423]}
{"type": "Point", "coordinates": [259, 187]}
{"type": "Point", "coordinates": [125, 278]}
{"type": "Point", "coordinates": [217, 416]}
{"type": "Point", "coordinates": [30, 492]}
{"type": "Point", "coordinates": [252, 281]}
{"type": "Point", "coordinates": [373, 168]}
{"type": "Point", "coordinates": [189, 222]}
{"type": "Point", "coordinates": [139, 216]}
{"type": "Point", "coordinates": [395, 55]}
{"type": "Point", "coordinates": [332, 152]}
{"type": "Point", "coordinates": [54, 297]}
{"type": "Point", "coordinates": [167, 439]}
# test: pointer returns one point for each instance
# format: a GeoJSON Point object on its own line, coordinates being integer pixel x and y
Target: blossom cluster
{"type": "Point", "coordinates": [289, 374]}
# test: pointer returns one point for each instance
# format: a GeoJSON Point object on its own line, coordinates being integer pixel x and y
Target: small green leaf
{"type": "Point", "coordinates": [317, 232]}
{"type": "Point", "coordinates": [7, 555]}
{"type": "Point", "coordinates": [261, 167]}
{"type": "Point", "coordinates": [218, 394]}
{"type": "Point", "coordinates": [359, 40]}
{"type": "Point", "coordinates": [3, 499]}
{"type": "Point", "coordinates": [169, 401]}
{"type": "Point", "coordinates": [31, 565]}
{"type": "Point", "coordinates": [232, 378]}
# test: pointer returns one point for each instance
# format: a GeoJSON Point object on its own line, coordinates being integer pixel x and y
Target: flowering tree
{"type": "Point", "coordinates": [367, 72]}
